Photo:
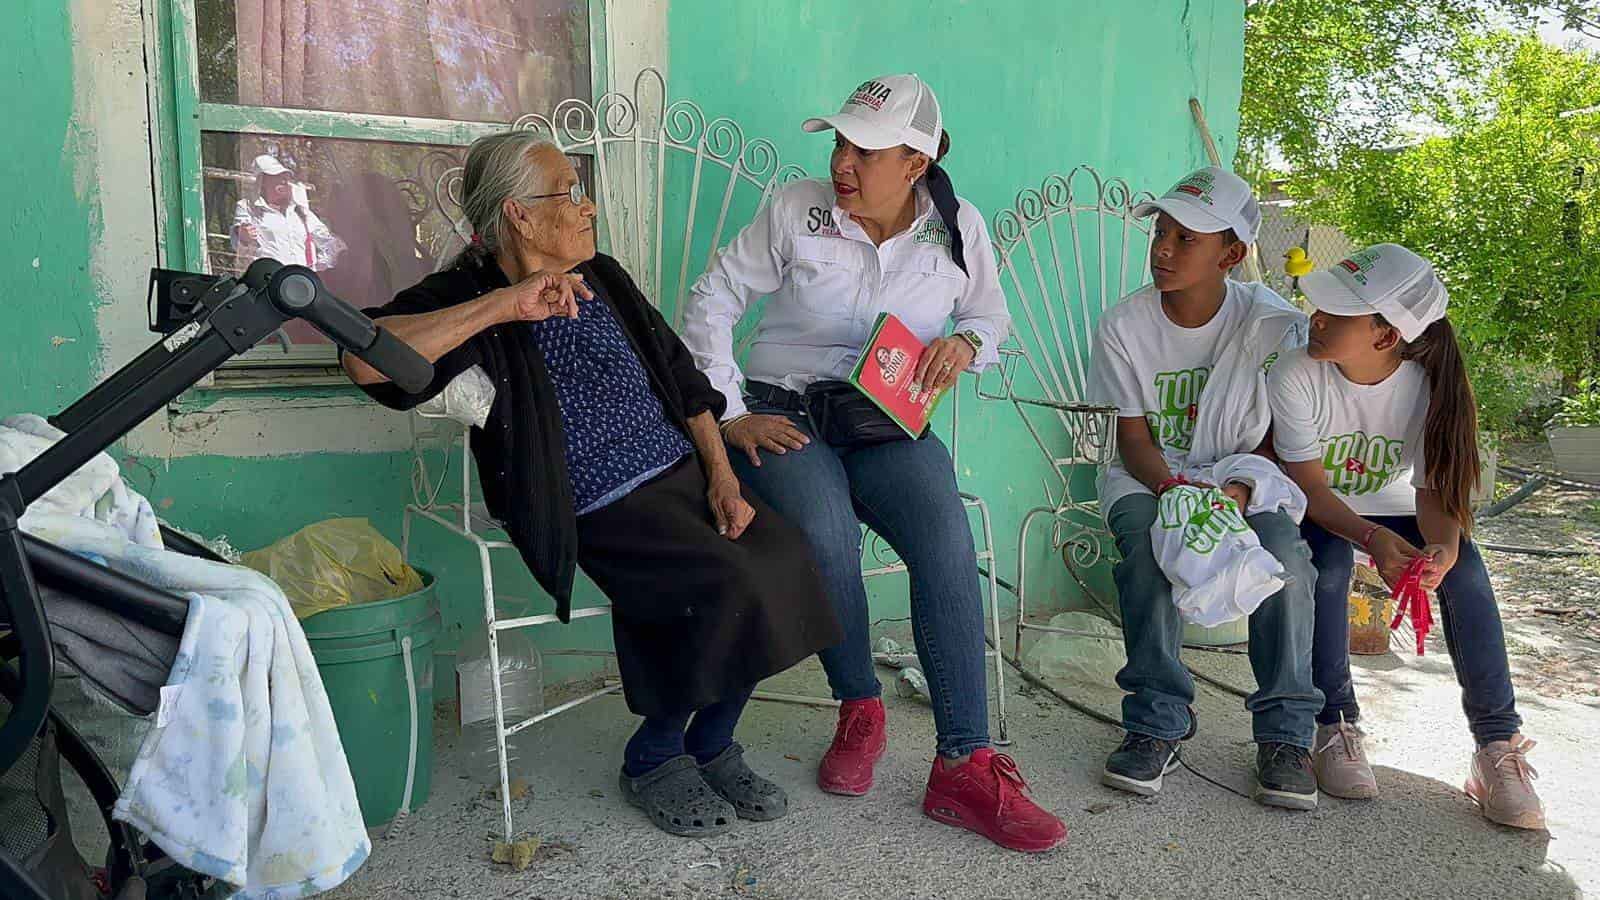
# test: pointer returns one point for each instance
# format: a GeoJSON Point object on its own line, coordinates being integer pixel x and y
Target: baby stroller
{"type": "Point", "coordinates": [205, 320]}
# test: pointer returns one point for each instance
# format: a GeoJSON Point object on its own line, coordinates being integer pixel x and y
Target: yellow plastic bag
{"type": "Point", "coordinates": [337, 562]}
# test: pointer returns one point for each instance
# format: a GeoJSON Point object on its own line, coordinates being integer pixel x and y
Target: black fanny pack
{"type": "Point", "coordinates": [845, 417]}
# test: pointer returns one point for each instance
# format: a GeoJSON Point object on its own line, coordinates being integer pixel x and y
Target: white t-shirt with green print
{"type": "Point", "coordinates": [1145, 365]}
{"type": "Point", "coordinates": [1368, 436]}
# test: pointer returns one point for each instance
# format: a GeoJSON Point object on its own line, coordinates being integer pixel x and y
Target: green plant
{"type": "Point", "coordinates": [1322, 77]}
{"type": "Point", "coordinates": [1505, 203]}
{"type": "Point", "coordinates": [1580, 409]}
{"type": "Point", "coordinates": [1504, 390]}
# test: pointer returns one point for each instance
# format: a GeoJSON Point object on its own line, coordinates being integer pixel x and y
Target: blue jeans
{"type": "Point", "coordinates": [660, 738]}
{"type": "Point", "coordinates": [906, 492]}
{"type": "Point", "coordinates": [1159, 688]}
{"type": "Point", "coordinates": [1472, 632]}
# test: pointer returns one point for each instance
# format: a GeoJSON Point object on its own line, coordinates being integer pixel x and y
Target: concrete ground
{"type": "Point", "coordinates": [1422, 838]}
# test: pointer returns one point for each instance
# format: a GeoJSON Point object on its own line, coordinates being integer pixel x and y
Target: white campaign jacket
{"type": "Point", "coordinates": [826, 283]}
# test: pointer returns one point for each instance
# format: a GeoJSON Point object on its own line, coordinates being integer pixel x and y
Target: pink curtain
{"type": "Point", "coordinates": [482, 60]}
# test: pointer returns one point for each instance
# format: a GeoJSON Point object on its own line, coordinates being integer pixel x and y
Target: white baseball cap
{"type": "Point", "coordinates": [1209, 200]}
{"type": "Point", "coordinates": [267, 164]}
{"type": "Point", "coordinates": [888, 112]}
{"type": "Point", "coordinates": [1386, 279]}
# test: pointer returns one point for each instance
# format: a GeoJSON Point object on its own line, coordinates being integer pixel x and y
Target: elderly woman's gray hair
{"type": "Point", "coordinates": [499, 167]}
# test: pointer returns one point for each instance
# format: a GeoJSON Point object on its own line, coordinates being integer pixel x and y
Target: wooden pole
{"type": "Point", "coordinates": [1252, 260]}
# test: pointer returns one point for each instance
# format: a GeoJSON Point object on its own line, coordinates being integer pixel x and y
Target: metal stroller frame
{"type": "Point", "coordinates": [206, 320]}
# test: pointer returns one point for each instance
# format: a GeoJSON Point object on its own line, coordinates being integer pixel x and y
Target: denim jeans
{"type": "Point", "coordinates": [1159, 688]}
{"type": "Point", "coordinates": [660, 738]}
{"type": "Point", "coordinates": [906, 492]}
{"type": "Point", "coordinates": [1472, 632]}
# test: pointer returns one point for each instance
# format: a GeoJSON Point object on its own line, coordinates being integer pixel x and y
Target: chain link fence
{"type": "Point", "coordinates": [1282, 230]}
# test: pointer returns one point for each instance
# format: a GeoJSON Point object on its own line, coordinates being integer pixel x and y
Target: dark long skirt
{"type": "Point", "coordinates": [698, 617]}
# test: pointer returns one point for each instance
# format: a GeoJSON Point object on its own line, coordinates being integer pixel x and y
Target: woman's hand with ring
{"type": "Point", "coordinates": [942, 364]}
{"type": "Point", "coordinates": [545, 295]}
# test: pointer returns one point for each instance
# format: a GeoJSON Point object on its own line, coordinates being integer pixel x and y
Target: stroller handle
{"type": "Point", "coordinates": [297, 291]}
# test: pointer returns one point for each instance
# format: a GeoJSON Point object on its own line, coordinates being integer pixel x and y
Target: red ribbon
{"type": "Point", "coordinates": [1170, 483]}
{"type": "Point", "coordinates": [1409, 596]}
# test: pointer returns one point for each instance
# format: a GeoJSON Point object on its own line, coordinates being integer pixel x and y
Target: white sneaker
{"type": "Point", "coordinates": [1500, 781]}
{"type": "Point", "coordinates": [1340, 761]}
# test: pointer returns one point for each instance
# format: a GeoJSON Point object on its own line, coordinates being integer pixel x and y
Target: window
{"type": "Point", "coordinates": [316, 131]}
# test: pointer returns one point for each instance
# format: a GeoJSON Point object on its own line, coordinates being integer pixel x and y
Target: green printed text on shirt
{"type": "Point", "coordinates": [1206, 517]}
{"type": "Point", "coordinates": [1358, 464]}
{"type": "Point", "coordinates": [1178, 395]}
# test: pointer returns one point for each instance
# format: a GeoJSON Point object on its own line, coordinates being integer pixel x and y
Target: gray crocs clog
{"type": "Point", "coordinates": [678, 800]}
{"type": "Point", "coordinates": [753, 797]}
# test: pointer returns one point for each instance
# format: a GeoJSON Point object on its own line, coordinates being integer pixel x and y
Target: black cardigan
{"type": "Point", "coordinates": [521, 450]}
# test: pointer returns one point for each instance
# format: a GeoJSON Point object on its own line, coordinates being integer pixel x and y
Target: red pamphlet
{"type": "Point", "coordinates": [885, 372]}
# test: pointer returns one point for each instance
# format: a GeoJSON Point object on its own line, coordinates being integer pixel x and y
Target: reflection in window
{"type": "Point", "coordinates": [362, 213]}
{"type": "Point", "coordinates": [466, 60]}
{"type": "Point", "coordinates": [372, 217]}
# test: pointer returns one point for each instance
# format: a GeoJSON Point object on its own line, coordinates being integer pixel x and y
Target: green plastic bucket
{"type": "Point", "coordinates": [376, 661]}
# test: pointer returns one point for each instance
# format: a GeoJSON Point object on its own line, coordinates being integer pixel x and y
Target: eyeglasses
{"type": "Point", "coordinates": [574, 193]}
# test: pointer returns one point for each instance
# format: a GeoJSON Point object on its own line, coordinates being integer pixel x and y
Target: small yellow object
{"type": "Point", "coordinates": [518, 854]}
{"type": "Point", "coordinates": [1360, 610]}
{"type": "Point", "coordinates": [1296, 263]}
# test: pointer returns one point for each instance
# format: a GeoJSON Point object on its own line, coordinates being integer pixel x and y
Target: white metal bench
{"type": "Point", "coordinates": [1068, 250]}
{"type": "Point", "coordinates": [669, 185]}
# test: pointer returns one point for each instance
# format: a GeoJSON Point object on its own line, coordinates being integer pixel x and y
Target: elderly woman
{"type": "Point", "coordinates": [602, 451]}
{"type": "Point", "coordinates": [885, 234]}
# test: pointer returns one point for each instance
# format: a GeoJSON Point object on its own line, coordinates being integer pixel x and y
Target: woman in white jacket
{"type": "Point", "coordinates": [885, 234]}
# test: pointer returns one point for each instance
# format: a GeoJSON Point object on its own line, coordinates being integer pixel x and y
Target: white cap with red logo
{"type": "Point", "coordinates": [888, 112]}
{"type": "Point", "coordinates": [267, 164]}
{"type": "Point", "coordinates": [1386, 279]}
{"type": "Point", "coordinates": [1209, 200]}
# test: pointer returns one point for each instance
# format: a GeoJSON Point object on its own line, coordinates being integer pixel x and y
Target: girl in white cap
{"type": "Point", "coordinates": [1379, 394]}
{"type": "Point", "coordinates": [884, 233]}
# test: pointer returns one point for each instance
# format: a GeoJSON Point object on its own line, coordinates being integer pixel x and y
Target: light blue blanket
{"type": "Point", "coordinates": [243, 776]}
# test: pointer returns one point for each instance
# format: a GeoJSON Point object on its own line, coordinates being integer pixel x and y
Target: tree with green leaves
{"type": "Point", "coordinates": [1506, 204]}
{"type": "Point", "coordinates": [1449, 127]}
{"type": "Point", "coordinates": [1323, 76]}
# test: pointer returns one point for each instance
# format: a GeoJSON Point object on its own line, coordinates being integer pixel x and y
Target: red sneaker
{"type": "Point", "coordinates": [986, 794]}
{"type": "Point", "coordinates": [858, 744]}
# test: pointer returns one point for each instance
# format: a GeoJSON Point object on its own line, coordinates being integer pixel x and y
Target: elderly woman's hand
{"type": "Point", "coordinates": [544, 295]}
{"type": "Point", "coordinates": [728, 506]}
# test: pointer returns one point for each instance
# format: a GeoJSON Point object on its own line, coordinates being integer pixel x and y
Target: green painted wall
{"type": "Point", "coordinates": [1028, 88]}
{"type": "Point", "coordinates": [48, 342]}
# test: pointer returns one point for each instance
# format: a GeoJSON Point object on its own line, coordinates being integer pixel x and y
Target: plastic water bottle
{"type": "Point", "coordinates": [521, 692]}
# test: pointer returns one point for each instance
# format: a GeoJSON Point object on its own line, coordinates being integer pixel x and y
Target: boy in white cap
{"type": "Point", "coordinates": [1153, 356]}
{"type": "Point", "coordinates": [1375, 420]}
